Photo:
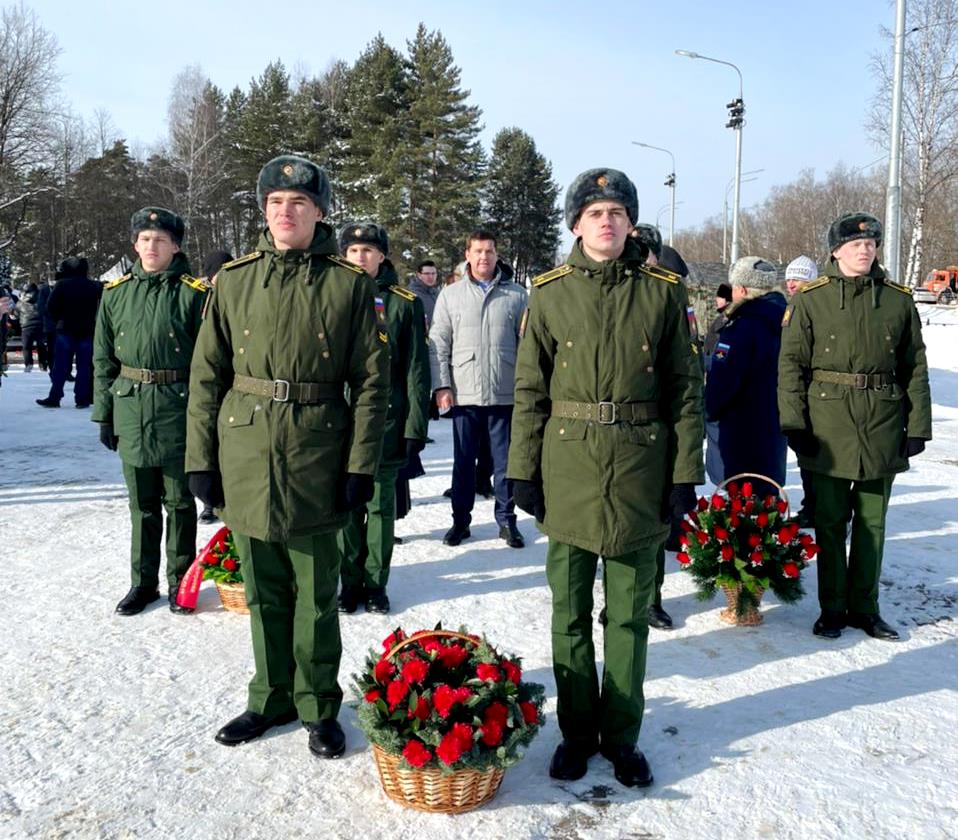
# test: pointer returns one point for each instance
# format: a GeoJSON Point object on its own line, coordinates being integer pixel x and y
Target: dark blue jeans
{"type": "Point", "coordinates": [64, 351]}
{"type": "Point", "coordinates": [469, 423]}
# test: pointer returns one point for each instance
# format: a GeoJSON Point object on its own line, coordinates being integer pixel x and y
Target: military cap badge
{"type": "Point", "coordinates": [863, 225]}
{"type": "Point", "coordinates": [602, 181]}
{"type": "Point", "coordinates": [358, 232]}
{"type": "Point", "coordinates": [153, 217]}
{"type": "Point", "coordinates": [288, 169]}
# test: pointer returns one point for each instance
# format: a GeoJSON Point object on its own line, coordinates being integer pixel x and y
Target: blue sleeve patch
{"type": "Point", "coordinates": [721, 351]}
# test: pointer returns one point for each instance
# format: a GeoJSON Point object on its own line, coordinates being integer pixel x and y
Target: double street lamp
{"type": "Point", "coordinates": [669, 182]}
{"type": "Point", "coordinates": [736, 112]}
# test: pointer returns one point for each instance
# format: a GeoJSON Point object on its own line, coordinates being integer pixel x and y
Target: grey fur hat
{"type": "Point", "coordinates": [365, 233]}
{"type": "Point", "coordinates": [854, 226]}
{"type": "Point", "coordinates": [753, 273]}
{"type": "Point", "coordinates": [601, 184]}
{"type": "Point", "coordinates": [289, 172]}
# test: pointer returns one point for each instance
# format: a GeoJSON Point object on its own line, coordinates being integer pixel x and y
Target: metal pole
{"type": "Point", "coordinates": [738, 192]}
{"type": "Point", "coordinates": [670, 183]}
{"type": "Point", "coordinates": [725, 229]}
{"type": "Point", "coordinates": [893, 191]}
{"type": "Point", "coordinates": [672, 216]}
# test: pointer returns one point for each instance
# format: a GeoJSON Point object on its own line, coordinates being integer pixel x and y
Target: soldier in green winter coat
{"type": "Point", "coordinates": [367, 539]}
{"type": "Point", "coordinates": [273, 442]}
{"type": "Point", "coordinates": [854, 403]}
{"type": "Point", "coordinates": [146, 328]}
{"type": "Point", "coordinates": [607, 431]}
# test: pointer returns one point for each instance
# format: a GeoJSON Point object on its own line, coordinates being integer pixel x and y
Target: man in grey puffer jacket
{"type": "Point", "coordinates": [474, 339]}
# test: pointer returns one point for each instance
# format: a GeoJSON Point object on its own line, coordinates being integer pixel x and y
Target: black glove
{"type": "Point", "coordinates": [529, 497]}
{"type": "Point", "coordinates": [913, 447]}
{"type": "Point", "coordinates": [802, 442]}
{"type": "Point", "coordinates": [354, 492]}
{"type": "Point", "coordinates": [107, 438]}
{"type": "Point", "coordinates": [414, 447]}
{"type": "Point", "coordinates": [207, 486]}
{"type": "Point", "coordinates": [682, 499]}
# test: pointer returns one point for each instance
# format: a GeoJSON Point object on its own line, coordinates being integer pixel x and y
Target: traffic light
{"type": "Point", "coordinates": [736, 113]}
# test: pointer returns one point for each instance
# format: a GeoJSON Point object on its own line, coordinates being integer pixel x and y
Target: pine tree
{"type": "Point", "coordinates": [320, 125]}
{"type": "Point", "coordinates": [521, 203]}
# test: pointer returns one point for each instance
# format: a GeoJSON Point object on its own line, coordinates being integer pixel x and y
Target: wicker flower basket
{"type": "Point", "coordinates": [435, 791]}
{"type": "Point", "coordinates": [730, 615]}
{"type": "Point", "coordinates": [233, 596]}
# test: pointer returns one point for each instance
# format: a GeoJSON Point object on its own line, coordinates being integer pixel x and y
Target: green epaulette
{"type": "Point", "coordinates": [554, 274]}
{"type": "Point", "coordinates": [816, 284]}
{"type": "Point", "coordinates": [899, 287]}
{"type": "Point", "coordinates": [241, 261]}
{"type": "Point", "coordinates": [344, 263]}
{"type": "Point", "coordinates": [403, 292]}
{"type": "Point", "coordinates": [197, 283]}
{"type": "Point", "coordinates": [660, 273]}
{"type": "Point", "coordinates": [114, 283]}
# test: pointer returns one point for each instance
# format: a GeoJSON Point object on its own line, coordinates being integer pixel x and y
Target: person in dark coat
{"type": "Point", "coordinates": [48, 337]}
{"type": "Point", "coordinates": [73, 306]}
{"type": "Point", "coordinates": [741, 392]}
{"type": "Point", "coordinates": [31, 327]}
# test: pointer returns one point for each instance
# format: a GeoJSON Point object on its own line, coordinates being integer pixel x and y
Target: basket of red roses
{"type": "Point", "coordinates": [745, 545]}
{"type": "Point", "coordinates": [221, 564]}
{"type": "Point", "coordinates": [446, 714]}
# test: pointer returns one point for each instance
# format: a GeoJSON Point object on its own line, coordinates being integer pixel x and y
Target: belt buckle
{"type": "Point", "coordinates": [861, 381]}
{"type": "Point", "coordinates": [606, 418]}
{"type": "Point", "coordinates": [280, 390]}
{"type": "Point", "coordinates": [147, 377]}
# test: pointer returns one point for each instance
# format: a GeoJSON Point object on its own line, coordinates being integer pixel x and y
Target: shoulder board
{"type": "Point", "coordinates": [815, 284]}
{"type": "Point", "coordinates": [197, 283]}
{"type": "Point", "coordinates": [898, 287]}
{"type": "Point", "coordinates": [114, 283]}
{"type": "Point", "coordinates": [241, 261]}
{"type": "Point", "coordinates": [549, 276]}
{"type": "Point", "coordinates": [403, 292]}
{"type": "Point", "coordinates": [344, 263]}
{"type": "Point", "coordinates": [660, 273]}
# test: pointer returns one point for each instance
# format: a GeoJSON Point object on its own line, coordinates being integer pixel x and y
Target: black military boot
{"type": "Point", "coordinates": [874, 625]}
{"type": "Point", "coordinates": [510, 533]}
{"type": "Point", "coordinates": [830, 624]}
{"type": "Point", "coordinates": [208, 516]}
{"type": "Point", "coordinates": [456, 534]}
{"type": "Point", "coordinates": [46, 402]}
{"type": "Point", "coordinates": [174, 607]}
{"type": "Point", "coordinates": [137, 599]}
{"type": "Point", "coordinates": [659, 618]}
{"type": "Point", "coordinates": [349, 599]}
{"type": "Point", "coordinates": [630, 765]}
{"type": "Point", "coordinates": [377, 601]}
{"type": "Point", "coordinates": [326, 738]}
{"type": "Point", "coordinates": [250, 725]}
{"type": "Point", "coordinates": [570, 761]}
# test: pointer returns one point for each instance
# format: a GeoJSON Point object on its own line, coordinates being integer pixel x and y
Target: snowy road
{"type": "Point", "coordinates": [107, 723]}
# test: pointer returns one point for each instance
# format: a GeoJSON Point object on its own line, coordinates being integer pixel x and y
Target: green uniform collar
{"type": "Point", "coordinates": [323, 244]}
{"type": "Point", "coordinates": [875, 277]}
{"type": "Point", "coordinates": [609, 270]}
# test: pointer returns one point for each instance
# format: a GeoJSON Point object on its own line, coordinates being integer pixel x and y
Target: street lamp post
{"type": "Point", "coordinates": [669, 182]}
{"type": "Point", "coordinates": [893, 191]}
{"type": "Point", "coordinates": [665, 207]}
{"type": "Point", "coordinates": [745, 180]}
{"type": "Point", "coordinates": [736, 112]}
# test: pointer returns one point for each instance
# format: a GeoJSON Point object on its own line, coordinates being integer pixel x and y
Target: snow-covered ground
{"type": "Point", "coordinates": [107, 723]}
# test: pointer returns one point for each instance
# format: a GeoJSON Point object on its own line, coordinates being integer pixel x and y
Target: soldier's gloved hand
{"type": "Point", "coordinates": [914, 446]}
{"type": "Point", "coordinates": [414, 447]}
{"type": "Point", "coordinates": [207, 486]}
{"type": "Point", "coordinates": [107, 438]}
{"type": "Point", "coordinates": [354, 492]}
{"type": "Point", "coordinates": [802, 442]}
{"type": "Point", "coordinates": [682, 499]}
{"type": "Point", "coordinates": [529, 497]}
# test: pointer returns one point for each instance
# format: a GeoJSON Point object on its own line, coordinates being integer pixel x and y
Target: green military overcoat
{"type": "Point", "coordinates": [610, 331]}
{"type": "Point", "coordinates": [147, 321]}
{"type": "Point", "coordinates": [304, 317]}
{"type": "Point", "coordinates": [859, 325]}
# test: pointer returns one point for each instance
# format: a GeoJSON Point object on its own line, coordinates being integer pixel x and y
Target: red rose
{"type": "Point", "coordinates": [462, 694]}
{"type": "Point", "coordinates": [693, 516]}
{"type": "Point", "coordinates": [720, 533]}
{"type": "Point", "coordinates": [683, 558]}
{"type": "Point", "coordinates": [811, 550]}
{"type": "Point", "coordinates": [757, 558]}
{"type": "Point", "coordinates": [805, 540]}
{"type": "Point", "coordinates": [683, 539]}
{"type": "Point", "coordinates": [443, 699]}
{"type": "Point", "coordinates": [732, 489]}
{"type": "Point", "coordinates": [449, 750]}
{"type": "Point", "coordinates": [737, 506]}
{"type": "Point", "coordinates": [230, 564]}
{"type": "Point", "coordinates": [422, 710]}
{"type": "Point", "coordinates": [463, 732]}
{"type": "Point", "coordinates": [769, 500]}
{"type": "Point", "coordinates": [702, 537]}
{"type": "Point", "coordinates": [432, 645]}
{"type": "Point", "coordinates": [781, 506]}
{"type": "Point", "coordinates": [513, 671]}
{"type": "Point", "coordinates": [749, 506]}
{"type": "Point", "coordinates": [686, 526]}
{"type": "Point", "coordinates": [734, 521]}
{"type": "Point", "coordinates": [762, 519]}
{"type": "Point", "coordinates": [790, 570]}
{"type": "Point", "coordinates": [702, 503]}
{"type": "Point", "coordinates": [383, 670]}
{"type": "Point", "coordinates": [488, 672]}
{"type": "Point", "coordinates": [747, 488]}
{"type": "Point", "coordinates": [414, 671]}
{"type": "Point", "coordinates": [530, 714]}
{"type": "Point", "coordinates": [718, 502]}
{"type": "Point", "coordinates": [396, 692]}
{"type": "Point", "coordinates": [727, 552]}
{"type": "Point", "coordinates": [496, 712]}
{"type": "Point", "coordinates": [416, 754]}
{"type": "Point", "coordinates": [372, 695]}
{"type": "Point", "coordinates": [393, 639]}
{"type": "Point", "coordinates": [754, 540]}
{"type": "Point", "coordinates": [785, 535]}
{"type": "Point", "coordinates": [491, 733]}
{"type": "Point", "coordinates": [453, 655]}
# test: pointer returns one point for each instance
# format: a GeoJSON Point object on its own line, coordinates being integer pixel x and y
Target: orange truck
{"type": "Point", "coordinates": [943, 284]}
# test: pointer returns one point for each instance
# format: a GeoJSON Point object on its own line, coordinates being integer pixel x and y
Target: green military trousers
{"type": "Point", "coordinates": [291, 593]}
{"type": "Point", "coordinates": [850, 582]}
{"type": "Point", "coordinates": [371, 528]}
{"type": "Point", "coordinates": [585, 714]}
{"type": "Point", "coordinates": [152, 489]}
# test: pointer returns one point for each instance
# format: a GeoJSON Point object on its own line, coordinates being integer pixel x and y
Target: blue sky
{"type": "Point", "coordinates": [584, 79]}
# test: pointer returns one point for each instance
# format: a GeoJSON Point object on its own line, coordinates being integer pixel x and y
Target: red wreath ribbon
{"type": "Point", "coordinates": [189, 592]}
